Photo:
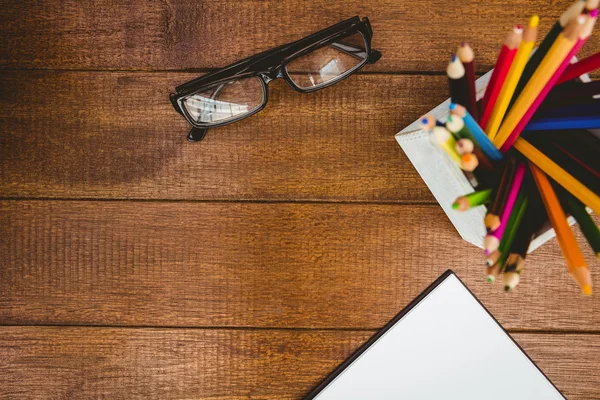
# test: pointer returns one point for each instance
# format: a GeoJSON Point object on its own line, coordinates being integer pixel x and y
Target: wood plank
{"type": "Point", "coordinates": [181, 34]}
{"type": "Point", "coordinates": [225, 364]}
{"type": "Point", "coordinates": [116, 135]}
{"type": "Point", "coordinates": [255, 265]}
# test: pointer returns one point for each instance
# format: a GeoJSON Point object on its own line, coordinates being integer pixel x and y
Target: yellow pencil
{"type": "Point", "coordinates": [567, 181]}
{"type": "Point", "coordinates": [447, 142]}
{"type": "Point", "coordinates": [512, 79]}
{"type": "Point", "coordinates": [555, 56]}
{"type": "Point", "coordinates": [566, 239]}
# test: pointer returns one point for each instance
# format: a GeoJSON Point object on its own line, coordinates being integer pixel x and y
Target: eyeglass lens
{"type": "Point", "coordinates": [328, 63]}
{"type": "Point", "coordinates": [225, 101]}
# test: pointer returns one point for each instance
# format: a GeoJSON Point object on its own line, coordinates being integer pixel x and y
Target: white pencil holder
{"type": "Point", "coordinates": [447, 181]}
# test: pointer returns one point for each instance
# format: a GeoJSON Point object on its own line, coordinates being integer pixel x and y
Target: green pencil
{"type": "Point", "coordinates": [477, 198]}
{"type": "Point", "coordinates": [516, 217]}
{"type": "Point", "coordinates": [532, 223]}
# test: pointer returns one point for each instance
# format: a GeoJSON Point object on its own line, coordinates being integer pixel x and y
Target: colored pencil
{"type": "Point", "coordinates": [575, 262]}
{"type": "Point", "coordinates": [581, 145]}
{"type": "Point", "coordinates": [514, 224]}
{"type": "Point", "coordinates": [516, 69]}
{"type": "Point", "coordinates": [477, 198]}
{"type": "Point", "coordinates": [576, 188]}
{"type": "Point", "coordinates": [588, 166]}
{"type": "Point", "coordinates": [447, 143]}
{"type": "Point", "coordinates": [457, 81]}
{"type": "Point", "coordinates": [492, 219]}
{"type": "Point", "coordinates": [492, 240]}
{"type": "Point", "coordinates": [549, 65]}
{"type": "Point", "coordinates": [469, 162]}
{"type": "Point", "coordinates": [479, 135]}
{"type": "Point", "coordinates": [532, 65]}
{"type": "Point", "coordinates": [427, 122]}
{"type": "Point", "coordinates": [564, 123]}
{"type": "Point", "coordinates": [464, 146]}
{"type": "Point", "coordinates": [503, 63]}
{"type": "Point", "coordinates": [579, 68]}
{"type": "Point", "coordinates": [467, 56]}
{"type": "Point", "coordinates": [566, 162]}
{"type": "Point", "coordinates": [593, 108]}
{"type": "Point", "coordinates": [585, 26]}
{"type": "Point", "coordinates": [586, 224]}
{"type": "Point", "coordinates": [532, 222]}
{"type": "Point", "coordinates": [456, 125]}
{"type": "Point", "coordinates": [574, 90]}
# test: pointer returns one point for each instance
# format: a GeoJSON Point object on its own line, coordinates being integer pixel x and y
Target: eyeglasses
{"type": "Point", "coordinates": [240, 89]}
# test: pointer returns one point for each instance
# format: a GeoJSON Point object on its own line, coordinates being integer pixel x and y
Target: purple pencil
{"type": "Point", "coordinates": [492, 240]}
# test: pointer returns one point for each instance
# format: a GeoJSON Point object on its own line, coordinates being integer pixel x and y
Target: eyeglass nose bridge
{"type": "Point", "coordinates": [272, 74]}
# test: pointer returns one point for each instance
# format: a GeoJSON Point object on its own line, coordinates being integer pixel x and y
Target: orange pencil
{"type": "Point", "coordinates": [566, 239]}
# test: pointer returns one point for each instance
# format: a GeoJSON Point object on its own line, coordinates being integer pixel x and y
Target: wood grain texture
{"type": "Point", "coordinates": [109, 363]}
{"type": "Point", "coordinates": [116, 135]}
{"type": "Point", "coordinates": [255, 265]}
{"type": "Point", "coordinates": [181, 34]}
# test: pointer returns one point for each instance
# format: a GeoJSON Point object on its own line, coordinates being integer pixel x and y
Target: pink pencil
{"type": "Point", "coordinates": [492, 240]}
{"type": "Point", "coordinates": [540, 99]}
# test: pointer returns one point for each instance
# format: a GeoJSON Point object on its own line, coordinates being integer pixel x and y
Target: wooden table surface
{"type": "Point", "coordinates": [134, 264]}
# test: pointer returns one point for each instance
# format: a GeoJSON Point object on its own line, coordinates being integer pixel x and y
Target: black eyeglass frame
{"type": "Point", "coordinates": [270, 65]}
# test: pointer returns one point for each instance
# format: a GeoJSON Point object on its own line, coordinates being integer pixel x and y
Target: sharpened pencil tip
{"type": "Point", "coordinates": [452, 106]}
{"type": "Point", "coordinates": [534, 21]}
{"type": "Point", "coordinates": [587, 290]}
{"type": "Point", "coordinates": [507, 288]}
{"type": "Point", "coordinates": [594, 13]}
{"type": "Point", "coordinates": [491, 278]}
{"type": "Point", "coordinates": [455, 206]}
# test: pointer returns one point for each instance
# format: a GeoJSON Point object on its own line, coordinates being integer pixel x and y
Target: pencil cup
{"type": "Point", "coordinates": [447, 181]}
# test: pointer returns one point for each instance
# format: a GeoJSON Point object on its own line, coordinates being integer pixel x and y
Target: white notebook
{"type": "Point", "coordinates": [443, 346]}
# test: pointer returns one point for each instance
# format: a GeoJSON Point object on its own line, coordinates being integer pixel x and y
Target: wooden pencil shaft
{"type": "Point", "coordinates": [537, 57]}
{"type": "Point", "coordinates": [472, 92]}
{"type": "Point", "coordinates": [514, 222]}
{"type": "Point", "coordinates": [565, 162]}
{"type": "Point", "coordinates": [532, 222]}
{"type": "Point", "coordinates": [581, 145]}
{"type": "Point", "coordinates": [564, 234]}
{"type": "Point", "coordinates": [520, 113]}
{"type": "Point", "coordinates": [459, 91]}
{"type": "Point", "coordinates": [501, 69]}
{"type": "Point", "coordinates": [467, 56]}
{"type": "Point", "coordinates": [514, 75]}
{"type": "Point", "coordinates": [592, 108]}
{"type": "Point", "coordinates": [581, 67]}
{"type": "Point", "coordinates": [576, 188]}
{"type": "Point", "coordinates": [586, 223]}
{"type": "Point", "coordinates": [564, 123]}
{"type": "Point", "coordinates": [501, 193]}
{"type": "Point", "coordinates": [479, 197]}
{"type": "Point", "coordinates": [574, 89]}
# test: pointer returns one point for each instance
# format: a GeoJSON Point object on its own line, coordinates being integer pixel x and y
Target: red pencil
{"type": "Point", "coordinates": [505, 59]}
{"type": "Point", "coordinates": [580, 67]}
{"type": "Point", "coordinates": [467, 57]}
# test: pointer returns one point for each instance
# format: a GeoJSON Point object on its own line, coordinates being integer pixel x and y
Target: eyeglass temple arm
{"type": "Point", "coordinates": [356, 52]}
{"type": "Point", "coordinates": [196, 134]}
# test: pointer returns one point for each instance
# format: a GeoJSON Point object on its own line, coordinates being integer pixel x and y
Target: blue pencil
{"type": "Point", "coordinates": [565, 123]}
{"type": "Point", "coordinates": [485, 144]}
{"type": "Point", "coordinates": [570, 111]}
